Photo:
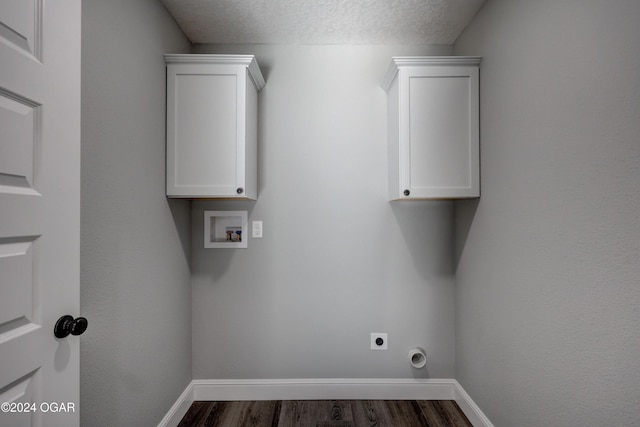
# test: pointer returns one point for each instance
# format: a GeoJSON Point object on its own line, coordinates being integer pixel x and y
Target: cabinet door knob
{"type": "Point", "coordinates": [240, 190]}
{"type": "Point", "coordinates": [407, 192]}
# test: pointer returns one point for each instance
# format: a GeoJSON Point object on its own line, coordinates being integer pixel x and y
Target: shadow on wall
{"type": "Point", "coordinates": [464, 212]}
{"type": "Point", "coordinates": [426, 225]}
{"type": "Point", "coordinates": [181, 213]}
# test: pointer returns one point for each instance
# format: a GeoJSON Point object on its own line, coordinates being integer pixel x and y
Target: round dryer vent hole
{"type": "Point", "coordinates": [417, 358]}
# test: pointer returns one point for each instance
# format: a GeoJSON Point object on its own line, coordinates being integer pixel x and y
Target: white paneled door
{"type": "Point", "coordinates": [39, 210]}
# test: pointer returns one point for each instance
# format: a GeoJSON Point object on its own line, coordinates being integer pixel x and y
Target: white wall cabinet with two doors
{"type": "Point", "coordinates": [212, 126]}
{"type": "Point", "coordinates": [433, 127]}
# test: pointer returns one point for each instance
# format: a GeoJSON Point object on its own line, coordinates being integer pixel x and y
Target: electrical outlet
{"type": "Point", "coordinates": [379, 341]}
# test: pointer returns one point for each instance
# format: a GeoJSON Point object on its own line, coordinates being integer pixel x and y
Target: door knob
{"type": "Point", "coordinates": [68, 325]}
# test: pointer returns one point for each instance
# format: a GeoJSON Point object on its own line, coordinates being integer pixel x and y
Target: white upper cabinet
{"type": "Point", "coordinates": [433, 127]}
{"type": "Point", "coordinates": [212, 126]}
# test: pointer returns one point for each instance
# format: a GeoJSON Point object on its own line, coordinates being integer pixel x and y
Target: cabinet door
{"type": "Point", "coordinates": [440, 153]}
{"type": "Point", "coordinates": [205, 135]}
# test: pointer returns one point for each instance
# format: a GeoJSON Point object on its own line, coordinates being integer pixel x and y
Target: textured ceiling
{"type": "Point", "coordinates": [323, 21]}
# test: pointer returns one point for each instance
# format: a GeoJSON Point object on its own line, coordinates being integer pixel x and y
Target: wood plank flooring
{"type": "Point", "coordinates": [326, 413]}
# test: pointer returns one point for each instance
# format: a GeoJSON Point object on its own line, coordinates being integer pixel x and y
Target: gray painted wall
{"type": "Point", "coordinates": [136, 354]}
{"type": "Point", "coordinates": [547, 300]}
{"type": "Point", "coordinates": [337, 260]}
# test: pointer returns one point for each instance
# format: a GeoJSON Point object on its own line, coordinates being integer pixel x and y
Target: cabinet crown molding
{"type": "Point", "coordinates": [399, 62]}
{"type": "Point", "coordinates": [248, 61]}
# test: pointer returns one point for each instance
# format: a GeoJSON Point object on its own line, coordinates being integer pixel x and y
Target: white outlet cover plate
{"type": "Point", "coordinates": [256, 229]}
{"type": "Point", "coordinates": [375, 336]}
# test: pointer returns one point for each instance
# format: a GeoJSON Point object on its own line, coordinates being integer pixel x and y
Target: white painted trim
{"type": "Point", "coordinates": [398, 62]}
{"type": "Point", "coordinates": [320, 389]}
{"type": "Point", "coordinates": [469, 407]}
{"type": "Point", "coordinates": [419, 61]}
{"type": "Point", "coordinates": [179, 408]}
{"type": "Point", "coordinates": [324, 389]}
{"type": "Point", "coordinates": [248, 61]}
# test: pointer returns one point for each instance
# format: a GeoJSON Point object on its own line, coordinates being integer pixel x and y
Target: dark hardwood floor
{"type": "Point", "coordinates": [326, 413]}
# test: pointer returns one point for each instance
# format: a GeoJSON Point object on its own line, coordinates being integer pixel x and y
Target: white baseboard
{"type": "Point", "coordinates": [179, 408]}
{"type": "Point", "coordinates": [325, 389]}
{"type": "Point", "coordinates": [469, 407]}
